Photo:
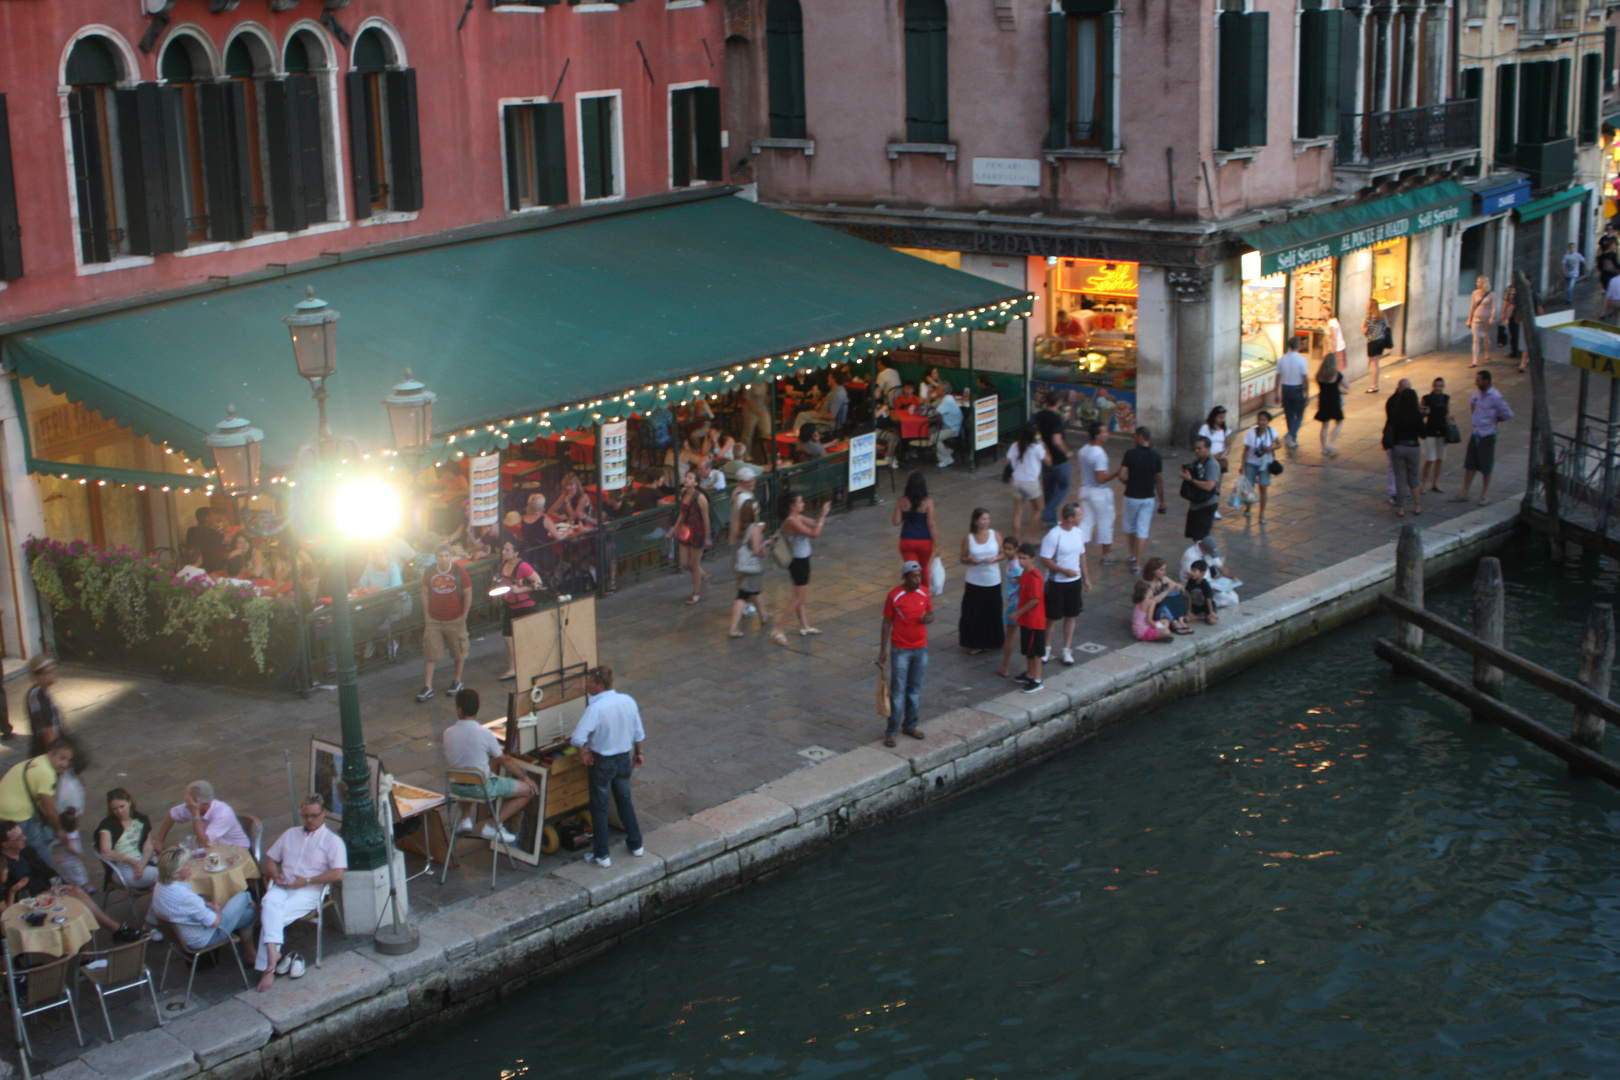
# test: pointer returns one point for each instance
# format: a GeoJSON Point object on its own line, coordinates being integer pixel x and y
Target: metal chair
{"type": "Point", "coordinates": [473, 778]}
{"type": "Point", "coordinates": [40, 989]}
{"type": "Point", "coordinates": [319, 918]}
{"type": "Point", "coordinates": [171, 937]}
{"type": "Point", "coordinates": [114, 880]}
{"type": "Point", "coordinates": [125, 970]}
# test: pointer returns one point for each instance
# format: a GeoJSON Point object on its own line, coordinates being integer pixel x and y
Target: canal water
{"type": "Point", "coordinates": [1314, 869]}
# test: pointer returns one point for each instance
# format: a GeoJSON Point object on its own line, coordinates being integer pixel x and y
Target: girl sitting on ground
{"type": "Point", "coordinates": [1143, 625]}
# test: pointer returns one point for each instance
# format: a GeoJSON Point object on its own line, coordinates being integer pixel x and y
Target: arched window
{"type": "Point", "coordinates": [93, 70]}
{"type": "Point", "coordinates": [185, 68]}
{"type": "Point", "coordinates": [293, 112]}
{"type": "Point", "coordinates": [385, 146]}
{"type": "Point", "coordinates": [926, 115]}
{"type": "Point", "coordinates": [248, 65]}
{"type": "Point", "coordinates": [784, 65]}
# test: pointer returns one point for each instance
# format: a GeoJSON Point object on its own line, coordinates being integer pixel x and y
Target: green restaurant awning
{"type": "Point", "coordinates": [1314, 237]}
{"type": "Point", "coordinates": [1531, 211]}
{"type": "Point", "coordinates": [558, 319]}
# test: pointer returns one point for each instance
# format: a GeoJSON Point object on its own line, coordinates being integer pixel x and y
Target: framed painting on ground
{"type": "Point", "coordinates": [530, 824]}
{"type": "Point", "coordinates": [326, 775]}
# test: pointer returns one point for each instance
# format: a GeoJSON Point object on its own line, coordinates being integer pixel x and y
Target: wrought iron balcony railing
{"type": "Point", "coordinates": [1404, 134]}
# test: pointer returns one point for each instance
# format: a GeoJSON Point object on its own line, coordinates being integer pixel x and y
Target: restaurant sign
{"type": "Point", "coordinates": [1341, 244]}
{"type": "Point", "coordinates": [986, 430]}
{"type": "Point", "coordinates": [615, 455]}
{"type": "Point", "coordinates": [862, 461]}
{"type": "Point", "coordinates": [484, 495]}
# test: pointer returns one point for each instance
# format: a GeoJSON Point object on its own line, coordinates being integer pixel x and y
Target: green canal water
{"type": "Point", "coordinates": [1312, 870]}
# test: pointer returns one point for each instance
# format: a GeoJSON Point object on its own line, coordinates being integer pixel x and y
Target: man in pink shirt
{"type": "Point", "coordinates": [299, 865]}
{"type": "Point", "coordinates": [212, 821]}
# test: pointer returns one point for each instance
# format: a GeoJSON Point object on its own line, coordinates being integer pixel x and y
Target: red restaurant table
{"type": "Point", "coordinates": [785, 442]}
{"type": "Point", "coordinates": [518, 468]}
{"type": "Point", "coordinates": [581, 448]}
{"type": "Point", "coordinates": [912, 427]}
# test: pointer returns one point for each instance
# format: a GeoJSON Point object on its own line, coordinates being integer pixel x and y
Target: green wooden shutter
{"type": "Point", "coordinates": [1507, 121]}
{"type": "Point", "coordinates": [306, 107]}
{"type": "Point", "coordinates": [1563, 76]}
{"type": "Point", "coordinates": [927, 115]}
{"type": "Point", "coordinates": [354, 96]}
{"type": "Point", "coordinates": [513, 117]}
{"type": "Point", "coordinates": [404, 141]}
{"type": "Point", "coordinates": [84, 128]}
{"type": "Point", "coordinates": [11, 266]}
{"type": "Point", "coordinates": [596, 146]}
{"type": "Point", "coordinates": [1610, 34]}
{"type": "Point", "coordinates": [1591, 97]}
{"type": "Point", "coordinates": [1472, 84]}
{"type": "Point", "coordinates": [222, 108]}
{"type": "Point", "coordinates": [1320, 49]}
{"type": "Point", "coordinates": [551, 154]}
{"type": "Point", "coordinates": [287, 201]}
{"type": "Point", "coordinates": [1106, 61]}
{"type": "Point", "coordinates": [1533, 103]}
{"type": "Point", "coordinates": [155, 224]}
{"type": "Point", "coordinates": [1257, 24]}
{"type": "Point", "coordinates": [1232, 111]}
{"type": "Point", "coordinates": [784, 68]}
{"type": "Point", "coordinates": [680, 138]}
{"type": "Point", "coordinates": [709, 162]}
{"type": "Point", "coordinates": [1057, 37]}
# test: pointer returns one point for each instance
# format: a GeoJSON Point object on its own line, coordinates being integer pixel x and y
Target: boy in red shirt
{"type": "Point", "coordinates": [1031, 615]}
{"type": "Point", "coordinates": [906, 615]}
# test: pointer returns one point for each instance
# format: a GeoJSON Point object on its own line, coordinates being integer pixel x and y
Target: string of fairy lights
{"type": "Point", "coordinates": [532, 425]}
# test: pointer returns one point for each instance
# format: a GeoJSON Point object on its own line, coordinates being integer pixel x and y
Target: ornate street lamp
{"type": "Point", "coordinates": [314, 337]}
{"type": "Point", "coordinates": [235, 443]}
{"type": "Point", "coordinates": [410, 414]}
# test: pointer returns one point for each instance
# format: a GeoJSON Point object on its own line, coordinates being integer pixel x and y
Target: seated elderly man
{"type": "Point", "coordinates": [301, 862]}
{"type": "Point", "coordinates": [200, 923]}
{"type": "Point", "coordinates": [23, 874]}
{"type": "Point", "coordinates": [212, 821]}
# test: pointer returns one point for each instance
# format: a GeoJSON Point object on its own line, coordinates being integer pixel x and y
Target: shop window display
{"type": "Point", "coordinates": [1088, 354]}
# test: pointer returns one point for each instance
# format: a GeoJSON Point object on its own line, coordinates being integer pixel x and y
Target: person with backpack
{"type": "Point", "coordinates": [1201, 487]}
{"type": "Point", "coordinates": [1259, 452]}
{"type": "Point", "coordinates": [748, 560]}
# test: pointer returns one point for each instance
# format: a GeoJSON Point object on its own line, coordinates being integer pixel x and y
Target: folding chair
{"type": "Point", "coordinates": [126, 970]}
{"type": "Point", "coordinates": [319, 918]}
{"type": "Point", "coordinates": [171, 937]}
{"type": "Point", "coordinates": [39, 989]}
{"type": "Point", "coordinates": [114, 880]}
{"type": "Point", "coordinates": [473, 778]}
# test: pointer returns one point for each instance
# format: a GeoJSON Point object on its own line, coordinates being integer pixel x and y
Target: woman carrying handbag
{"type": "Point", "coordinates": [1376, 329]}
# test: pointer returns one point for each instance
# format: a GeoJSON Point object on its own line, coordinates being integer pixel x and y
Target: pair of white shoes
{"type": "Point", "coordinates": [1068, 656]}
{"type": "Point", "coordinates": [291, 964]}
{"type": "Point", "coordinates": [489, 832]}
{"type": "Point", "coordinates": [606, 861]}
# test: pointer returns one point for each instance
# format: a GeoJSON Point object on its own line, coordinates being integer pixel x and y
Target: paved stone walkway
{"type": "Point", "coordinates": [725, 716]}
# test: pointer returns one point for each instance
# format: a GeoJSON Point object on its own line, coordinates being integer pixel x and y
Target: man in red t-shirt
{"type": "Point", "coordinates": [446, 599]}
{"type": "Point", "coordinates": [906, 615]}
{"type": "Point", "coordinates": [1031, 615]}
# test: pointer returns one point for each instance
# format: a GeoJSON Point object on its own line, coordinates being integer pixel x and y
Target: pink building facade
{"type": "Point", "coordinates": [1117, 159]}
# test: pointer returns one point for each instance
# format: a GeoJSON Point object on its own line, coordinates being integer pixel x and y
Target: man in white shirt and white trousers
{"type": "Point", "coordinates": [609, 737]}
{"type": "Point", "coordinates": [299, 865]}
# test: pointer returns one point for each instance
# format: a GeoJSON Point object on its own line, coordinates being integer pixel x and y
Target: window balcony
{"type": "Point", "coordinates": [1549, 164]}
{"type": "Point", "coordinates": [1430, 131]}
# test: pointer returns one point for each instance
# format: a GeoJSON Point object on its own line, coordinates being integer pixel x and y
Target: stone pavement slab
{"type": "Point", "coordinates": [813, 791]}
{"type": "Point", "coordinates": [626, 873]}
{"type": "Point", "coordinates": [746, 818]}
{"type": "Point", "coordinates": [148, 1055]}
{"type": "Point", "coordinates": [222, 1032]}
{"type": "Point", "coordinates": [342, 980]}
{"type": "Point", "coordinates": [684, 843]}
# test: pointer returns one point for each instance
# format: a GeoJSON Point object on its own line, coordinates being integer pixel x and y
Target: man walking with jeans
{"type": "Point", "coordinates": [906, 615]}
{"type": "Point", "coordinates": [1490, 408]}
{"type": "Point", "coordinates": [1063, 557]}
{"type": "Point", "coordinates": [1292, 373]}
{"type": "Point", "coordinates": [609, 736]}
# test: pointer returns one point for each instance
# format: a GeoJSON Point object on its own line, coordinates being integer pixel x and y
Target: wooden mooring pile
{"type": "Point", "coordinates": [1592, 710]}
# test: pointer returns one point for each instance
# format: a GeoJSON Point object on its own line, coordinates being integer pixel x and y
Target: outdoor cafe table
{"type": "Point", "coordinates": [912, 426]}
{"type": "Point", "coordinates": [77, 927]}
{"type": "Point", "coordinates": [220, 885]}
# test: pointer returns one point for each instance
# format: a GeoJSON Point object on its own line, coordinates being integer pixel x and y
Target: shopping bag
{"type": "Point", "coordinates": [936, 576]}
{"type": "Point", "coordinates": [883, 692]}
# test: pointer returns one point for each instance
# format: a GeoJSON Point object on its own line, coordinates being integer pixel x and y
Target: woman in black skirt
{"type": "Point", "coordinates": [1330, 403]}
{"type": "Point", "coordinates": [980, 627]}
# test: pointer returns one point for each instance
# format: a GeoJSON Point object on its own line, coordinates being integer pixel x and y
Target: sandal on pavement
{"type": "Point", "coordinates": [1458, 498]}
{"type": "Point", "coordinates": [778, 638]}
{"type": "Point", "coordinates": [806, 631]}
{"type": "Point", "coordinates": [734, 633]}
{"type": "Point", "coordinates": [692, 601]}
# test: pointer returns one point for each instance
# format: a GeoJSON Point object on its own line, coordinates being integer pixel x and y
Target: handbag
{"type": "Point", "coordinates": [1006, 473]}
{"type": "Point", "coordinates": [682, 533]}
{"type": "Point", "coordinates": [1192, 492]}
{"type": "Point", "coordinates": [1501, 333]}
{"type": "Point", "coordinates": [1453, 436]}
{"type": "Point", "coordinates": [780, 550]}
{"type": "Point", "coordinates": [1275, 468]}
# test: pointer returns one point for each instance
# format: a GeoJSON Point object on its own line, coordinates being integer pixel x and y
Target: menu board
{"type": "Point", "coordinates": [863, 461]}
{"type": "Point", "coordinates": [484, 480]}
{"type": "Point", "coordinates": [986, 427]}
{"type": "Point", "coordinates": [615, 444]}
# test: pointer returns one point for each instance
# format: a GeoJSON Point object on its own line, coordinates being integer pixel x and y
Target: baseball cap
{"type": "Point", "coordinates": [911, 566]}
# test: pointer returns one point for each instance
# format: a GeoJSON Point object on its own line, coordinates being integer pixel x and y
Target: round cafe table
{"type": "Point", "coordinates": [54, 938]}
{"type": "Point", "coordinates": [220, 885]}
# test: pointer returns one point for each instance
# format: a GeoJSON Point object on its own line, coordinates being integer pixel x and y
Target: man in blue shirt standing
{"type": "Point", "coordinates": [609, 737]}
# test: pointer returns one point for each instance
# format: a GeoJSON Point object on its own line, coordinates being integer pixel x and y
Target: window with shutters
{"type": "Point", "coordinates": [93, 70]}
{"type": "Point", "coordinates": [536, 157]}
{"type": "Point", "coordinates": [1244, 67]}
{"type": "Point", "coordinates": [1082, 43]}
{"type": "Point", "coordinates": [927, 118]}
{"type": "Point", "coordinates": [784, 68]}
{"type": "Point", "coordinates": [11, 265]}
{"type": "Point", "coordinates": [1609, 36]}
{"type": "Point", "coordinates": [600, 140]}
{"type": "Point", "coordinates": [1591, 100]}
{"type": "Point", "coordinates": [1507, 114]}
{"type": "Point", "coordinates": [695, 154]}
{"type": "Point", "coordinates": [1318, 80]}
{"type": "Point", "coordinates": [299, 121]}
{"type": "Point", "coordinates": [248, 65]}
{"type": "Point", "coordinates": [385, 148]}
{"type": "Point", "coordinates": [183, 66]}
